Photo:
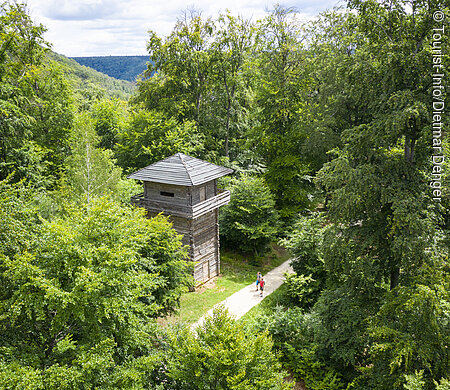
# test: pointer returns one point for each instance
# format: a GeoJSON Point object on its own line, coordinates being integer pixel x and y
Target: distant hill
{"type": "Point", "coordinates": [88, 81]}
{"type": "Point", "coordinates": [119, 67]}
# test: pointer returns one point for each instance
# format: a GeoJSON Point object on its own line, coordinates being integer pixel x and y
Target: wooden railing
{"type": "Point", "coordinates": [222, 198]}
{"type": "Point", "coordinates": [191, 212]}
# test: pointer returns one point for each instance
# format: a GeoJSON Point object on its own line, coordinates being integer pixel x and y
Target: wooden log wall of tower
{"type": "Point", "coordinates": [185, 189]}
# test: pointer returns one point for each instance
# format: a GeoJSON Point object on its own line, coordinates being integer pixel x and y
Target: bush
{"type": "Point", "coordinates": [249, 222]}
{"type": "Point", "coordinates": [304, 243]}
{"type": "Point", "coordinates": [222, 356]}
{"type": "Point", "coordinates": [294, 332]}
{"type": "Point", "coordinates": [302, 290]}
{"type": "Point", "coordinates": [316, 374]}
{"type": "Point", "coordinates": [80, 294]}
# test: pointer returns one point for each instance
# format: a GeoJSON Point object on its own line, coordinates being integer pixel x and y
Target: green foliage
{"type": "Point", "coordinates": [378, 177]}
{"type": "Point", "coordinates": [110, 117]}
{"type": "Point", "coordinates": [199, 74]}
{"type": "Point", "coordinates": [15, 376]}
{"type": "Point", "coordinates": [19, 218]}
{"type": "Point", "coordinates": [90, 170]}
{"type": "Point", "coordinates": [322, 346]}
{"type": "Point", "coordinates": [305, 243]}
{"type": "Point", "coordinates": [283, 86]}
{"type": "Point", "coordinates": [294, 333]}
{"type": "Point", "coordinates": [249, 222]}
{"type": "Point", "coordinates": [151, 136]}
{"type": "Point", "coordinates": [315, 374]}
{"type": "Point", "coordinates": [342, 337]}
{"type": "Point", "coordinates": [348, 97]}
{"type": "Point", "coordinates": [183, 63]}
{"type": "Point", "coordinates": [410, 333]}
{"type": "Point", "coordinates": [91, 85]}
{"type": "Point", "coordinates": [446, 188]}
{"type": "Point", "coordinates": [444, 384]}
{"type": "Point", "coordinates": [222, 356]}
{"type": "Point", "coordinates": [414, 381]}
{"type": "Point", "coordinates": [234, 40]}
{"type": "Point", "coordinates": [78, 301]}
{"type": "Point", "coordinates": [301, 289]}
{"type": "Point", "coordinates": [34, 102]}
{"type": "Point", "coordinates": [287, 325]}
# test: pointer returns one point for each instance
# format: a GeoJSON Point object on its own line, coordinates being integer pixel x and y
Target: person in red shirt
{"type": "Point", "coordinates": [261, 286]}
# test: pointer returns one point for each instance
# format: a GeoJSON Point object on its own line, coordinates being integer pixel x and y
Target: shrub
{"type": "Point", "coordinates": [80, 294]}
{"type": "Point", "coordinates": [294, 332]}
{"type": "Point", "coordinates": [302, 290]}
{"type": "Point", "coordinates": [249, 222]}
{"type": "Point", "coordinates": [304, 243]}
{"type": "Point", "coordinates": [221, 355]}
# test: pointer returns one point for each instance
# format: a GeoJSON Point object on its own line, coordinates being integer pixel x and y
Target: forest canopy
{"type": "Point", "coordinates": [339, 154]}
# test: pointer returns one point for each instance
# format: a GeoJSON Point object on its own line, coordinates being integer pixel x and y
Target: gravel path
{"type": "Point", "coordinates": [242, 301]}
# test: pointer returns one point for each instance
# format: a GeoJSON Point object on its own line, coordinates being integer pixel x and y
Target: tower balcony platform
{"type": "Point", "coordinates": [180, 210]}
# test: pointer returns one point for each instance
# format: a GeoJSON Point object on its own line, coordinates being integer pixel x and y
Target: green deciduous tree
{"type": "Point", "coordinates": [80, 294]}
{"type": "Point", "coordinates": [34, 102]}
{"type": "Point", "coordinates": [383, 234]}
{"type": "Point", "coordinates": [200, 73]}
{"type": "Point", "coordinates": [110, 116]}
{"type": "Point", "coordinates": [230, 97]}
{"type": "Point", "coordinates": [411, 333]}
{"type": "Point", "coordinates": [294, 332]}
{"type": "Point", "coordinates": [249, 222]}
{"type": "Point", "coordinates": [305, 243]}
{"type": "Point", "coordinates": [283, 87]}
{"type": "Point", "coordinates": [151, 136]}
{"type": "Point", "coordinates": [182, 62]}
{"type": "Point", "coordinates": [386, 227]}
{"type": "Point", "coordinates": [19, 218]}
{"type": "Point", "coordinates": [378, 179]}
{"type": "Point", "coordinates": [90, 170]}
{"type": "Point", "coordinates": [222, 356]}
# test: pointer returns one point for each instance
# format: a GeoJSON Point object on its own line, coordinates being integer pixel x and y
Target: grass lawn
{"type": "Point", "coordinates": [237, 271]}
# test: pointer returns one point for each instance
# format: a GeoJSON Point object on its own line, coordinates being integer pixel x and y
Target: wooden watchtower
{"type": "Point", "coordinates": [185, 188]}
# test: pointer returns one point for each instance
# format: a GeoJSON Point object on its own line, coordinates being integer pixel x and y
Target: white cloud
{"type": "Point", "coordinates": [118, 27]}
{"type": "Point", "coordinates": [79, 10]}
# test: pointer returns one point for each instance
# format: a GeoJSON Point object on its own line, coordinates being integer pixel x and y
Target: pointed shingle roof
{"type": "Point", "coordinates": [181, 170]}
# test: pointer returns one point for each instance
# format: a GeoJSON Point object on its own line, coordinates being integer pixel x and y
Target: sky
{"type": "Point", "coordinates": [79, 28]}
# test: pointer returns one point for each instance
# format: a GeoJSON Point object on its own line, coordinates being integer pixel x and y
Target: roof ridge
{"type": "Point", "coordinates": [180, 169]}
{"type": "Point", "coordinates": [151, 165]}
{"type": "Point", "coordinates": [181, 155]}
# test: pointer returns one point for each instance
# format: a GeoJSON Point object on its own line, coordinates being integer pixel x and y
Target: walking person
{"type": "Point", "coordinates": [261, 286]}
{"type": "Point", "coordinates": [258, 279]}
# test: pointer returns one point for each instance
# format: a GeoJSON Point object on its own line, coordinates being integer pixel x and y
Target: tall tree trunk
{"type": "Point", "coordinates": [410, 144]}
{"type": "Point", "coordinates": [395, 276]}
{"type": "Point", "coordinates": [227, 130]}
{"type": "Point", "coordinates": [197, 110]}
{"type": "Point", "coordinates": [227, 125]}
